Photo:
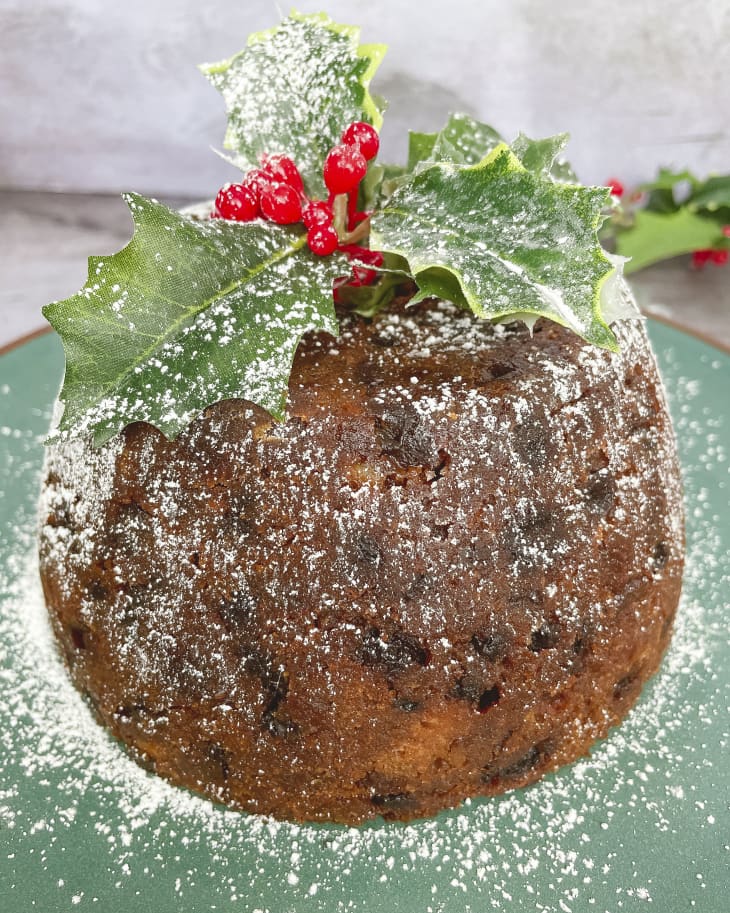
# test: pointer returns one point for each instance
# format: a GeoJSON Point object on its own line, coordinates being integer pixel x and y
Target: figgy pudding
{"type": "Point", "coordinates": [450, 570]}
{"type": "Point", "coordinates": [317, 543]}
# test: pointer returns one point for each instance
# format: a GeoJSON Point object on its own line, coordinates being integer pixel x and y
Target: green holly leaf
{"type": "Point", "coordinates": [712, 195]}
{"type": "Point", "coordinates": [189, 312]}
{"type": "Point", "coordinates": [420, 148]}
{"type": "Point", "coordinates": [666, 179]}
{"type": "Point", "coordinates": [655, 236]}
{"type": "Point", "coordinates": [503, 241]}
{"type": "Point", "coordinates": [663, 193]}
{"type": "Point", "coordinates": [542, 156]}
{"type": "Point", "coordinates": [464, 141]}
{"type": "Point", "coordinates": [294, 89]}
{"type": "Point", "coordinates": [378, 185]}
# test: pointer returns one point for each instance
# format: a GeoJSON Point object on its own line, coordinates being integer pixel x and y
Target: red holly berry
{"type": "Point", "coordinates": [615, 186]}
{"type": "Point", "coordinates": [317, 212]}
{"type": "Point", "coordinates": [283, 170]}
{"type": "Point", "coordinates": [280, 203]}
{"type": "Point", "coordinates": [236, 202]}
{"type": "Point", "coordinates": [257, 181]}
{"type": "Point", "coordinates": [344, 168]}
{"type": "Point", "coordinates": [362, 135]}
{"type": "Point", "coordinates": [719, 257]}
{"type": "Point", "coordinates": [700, 257]}
{"type": "Point", "coordinates": [726, 230]}
{"type": "Point", "coordinates": [322, 240]}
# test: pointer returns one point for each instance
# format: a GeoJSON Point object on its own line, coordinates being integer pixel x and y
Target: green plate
{"type": "Point", "coordinates": [645, 819]}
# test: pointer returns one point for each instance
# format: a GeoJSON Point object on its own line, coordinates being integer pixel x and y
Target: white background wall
{"type": "Point", "coordinates": [105, 95]}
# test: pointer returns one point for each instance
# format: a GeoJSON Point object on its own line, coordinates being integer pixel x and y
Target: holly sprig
{"type": "Point", "coordinates": [675, 214]}
{"type": "Point", "coordinates": [194, 311]}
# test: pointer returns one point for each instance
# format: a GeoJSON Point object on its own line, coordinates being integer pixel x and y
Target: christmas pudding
{"type": "Point", "coordinates": [330, 557]}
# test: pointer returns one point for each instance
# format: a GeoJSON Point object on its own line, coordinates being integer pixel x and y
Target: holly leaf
{"type": "Point", "coordinates": [669, 190]}
{"type": "Point", "coordinates": [186, 314]}
{"type": "Point", "coordinates": [294, 89]}
{"type": "Point", "coordinates": [420, 148]}
{"type": "Point", "coordinates": [464, 141]}
{"type": "Point", "coordinates": [502, 241]}
{"type": "Point", "coordinates": [655, 236]}
{"type": "Point", "coordinates": [712, 195]}
{"type": "Point", "coordinates": [542, 156]}
{"type": "Point", "coordinates": [666, 180]}
{"type": "Point", "coordinates": [379, 184]}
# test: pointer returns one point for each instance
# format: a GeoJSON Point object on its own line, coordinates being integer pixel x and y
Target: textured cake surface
{"type": "Point", "coordinates": [448, 572]}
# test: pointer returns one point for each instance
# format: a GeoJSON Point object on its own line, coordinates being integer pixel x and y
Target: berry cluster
{"type": "Point", "coordinates": [275, 191]}
{"type": "Point", "coordinates": [717, 255]}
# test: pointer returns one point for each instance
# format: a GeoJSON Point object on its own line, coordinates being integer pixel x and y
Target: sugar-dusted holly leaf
{"type": "Point", "coordinates": [464, 141]}
{"type": "Point", "coordinates": [420, 148]}
{"type": "Point", "coordinates": [503, 241]}
{"type": "Point", "coordinates": [562, 171]}
{"type": "Point", "coordinates": [542, 156]}
{"type": "Point", "coordinates": [655, 236]}
{"type": "Point", "coordinates": [294, 89]}
{"type": "Point", "coordinates": [186, 314]}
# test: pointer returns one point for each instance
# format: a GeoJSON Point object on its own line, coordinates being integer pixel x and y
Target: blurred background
{"type": "Point", "coordinates": [98, 97]}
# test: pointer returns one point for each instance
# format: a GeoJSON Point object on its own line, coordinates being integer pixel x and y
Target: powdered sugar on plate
{"type": "Point", "coordinates": [647, 809]}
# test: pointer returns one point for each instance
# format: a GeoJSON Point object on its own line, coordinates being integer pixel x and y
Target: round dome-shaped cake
{"type": "Point", "coordinates": [449, 571]}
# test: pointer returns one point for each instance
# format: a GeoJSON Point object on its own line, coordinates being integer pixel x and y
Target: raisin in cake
{"type": "Point", "coordinates": [450, 570]}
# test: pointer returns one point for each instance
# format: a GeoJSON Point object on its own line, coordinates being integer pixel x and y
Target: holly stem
{"type": "Point", "coordinates": [340, 206]}
{"type": "Point", "coordinates": [359, 233]}
{"type": "Point", "coordinates": [351, 209]}
{"type": "Point", "coordinates": [339, 216]}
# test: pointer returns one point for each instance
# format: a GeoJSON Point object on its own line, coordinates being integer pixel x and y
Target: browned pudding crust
{"type": "Point", "coordinates": [450, 571]}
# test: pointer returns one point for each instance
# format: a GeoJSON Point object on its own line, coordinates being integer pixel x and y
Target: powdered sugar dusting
{"type": "Point", "coordinates": [561, 845]}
